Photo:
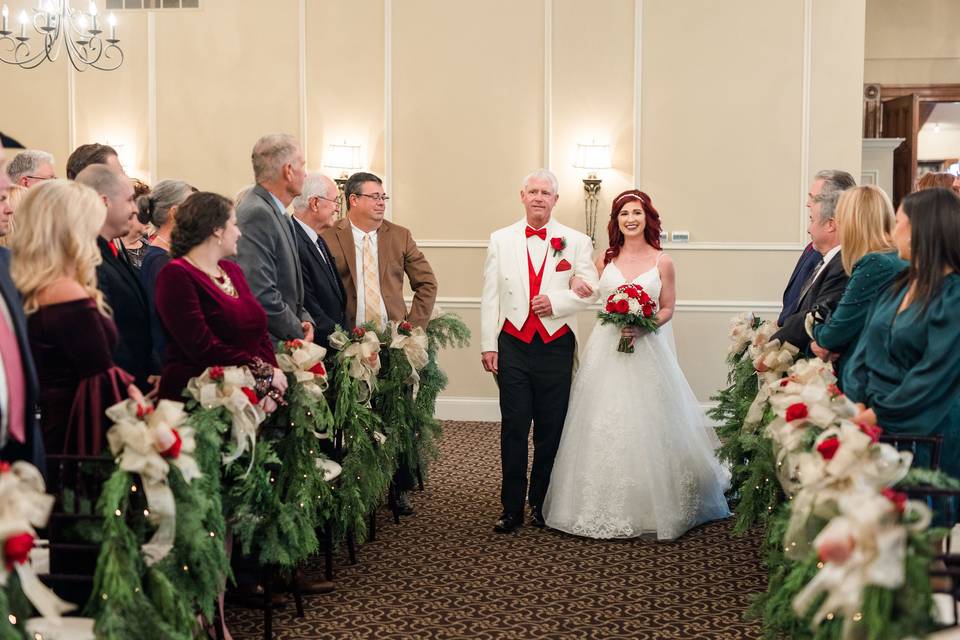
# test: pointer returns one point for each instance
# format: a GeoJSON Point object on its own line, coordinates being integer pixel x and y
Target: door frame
{"type": "Point", "coordinates": [874, 95]}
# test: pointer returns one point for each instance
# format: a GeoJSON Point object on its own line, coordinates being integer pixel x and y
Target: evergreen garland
{"type": "Point", "coordinates": [393, 402]}
{"type": "Point", "coordinates": [368, 465]}
{"type": "Point", "coordinates": [730, 411]}
{"type": "Point", "coordinates": [760, 491]}
{"type": "Point", "coordinates": [12, 601]}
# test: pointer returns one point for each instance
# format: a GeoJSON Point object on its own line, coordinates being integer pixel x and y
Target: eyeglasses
{"type": "Point", "coordinates": [377, 197]}
{"type": "Point", "coordinates": [336, 203]}
{"type": "Point", "coordinates": [41, 178]}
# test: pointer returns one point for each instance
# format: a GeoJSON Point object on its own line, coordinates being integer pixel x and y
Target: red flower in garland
{"type": "Point", "coordinates": [4, 467]}
{"type": "Point", "coordinates": [293, 344]}
{"type": "Point", "coordinates": [143, 411]}
{"type": "Point", "coordinates": [405, 328]}
{"type": "Point", "coordinates": [834, 391]}
{"type": "Point", "coordinates": [797, 411]}
{"type": "Point", "coordinates": [318, 369]}
{"type": "Point", "coordinates": [359, 332]}
{"type": "Point", "coordinates": [216, 373]}
{"type": "Point", "coordinates": [622, 306]}
{"type": "Point", "coordinates": [173, 450]}
{"type": "Point", "coordinates": [898, 498]}
{"type": "Point", "coordinates": [828, 448]}
{"type": "Point", "coordinates": [251, 395]}
{"type": "Point", "coordinates": [785, 382]}
{"type": "Point", "coordinates": [873, 431]}
{"type": "Point", "coordinates": [16, 549]}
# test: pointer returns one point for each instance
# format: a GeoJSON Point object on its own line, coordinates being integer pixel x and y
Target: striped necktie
{"type": "Point", "coordinates": [371, 284]}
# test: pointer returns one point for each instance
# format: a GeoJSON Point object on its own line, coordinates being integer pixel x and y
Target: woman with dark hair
{"type": "Point", "coordinates": [635, 457]}
{"type": "Point", "coordinates": [905, 372]}
{"type": "Point", "coordinates": [208, 312]}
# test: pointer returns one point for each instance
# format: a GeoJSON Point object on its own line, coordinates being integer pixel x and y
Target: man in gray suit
{"type": "Point", "coordinates": [267, 250]}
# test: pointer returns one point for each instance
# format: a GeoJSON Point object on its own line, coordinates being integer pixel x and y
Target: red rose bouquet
{"type": "Point", "coordinates": [629, 305]}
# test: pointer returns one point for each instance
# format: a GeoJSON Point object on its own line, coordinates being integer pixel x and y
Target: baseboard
{"type": "Point", "coordinates": [481, 409]}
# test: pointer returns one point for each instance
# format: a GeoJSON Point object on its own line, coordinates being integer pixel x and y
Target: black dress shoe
{"type": "Point", "coordinates": [509, 522]}
{"type": "Point", "coordinates": [536, 517]}
{"type": "Point", "coordinates": [404, 507]}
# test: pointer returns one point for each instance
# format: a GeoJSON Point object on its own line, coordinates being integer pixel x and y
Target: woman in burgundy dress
{"type": "Point", "coordinates": [69, 324]}
{"type": "Point", "coordinates": [208, 312]}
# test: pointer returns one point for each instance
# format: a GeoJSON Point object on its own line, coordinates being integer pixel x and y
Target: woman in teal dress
{"type": "Point", "coordinates": [905, 371]}
{"type": "Point", "coordinates": [865, 222]}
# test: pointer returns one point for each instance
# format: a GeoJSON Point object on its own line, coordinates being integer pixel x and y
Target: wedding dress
{"type": "Point", "coordinates": [636, 456]}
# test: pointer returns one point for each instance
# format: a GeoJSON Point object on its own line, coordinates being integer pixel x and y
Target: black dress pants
{"type": "Point", "coordinates": [534, 384]}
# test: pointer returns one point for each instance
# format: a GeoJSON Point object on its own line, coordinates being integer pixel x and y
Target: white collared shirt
{"type": "Point", "coordinates": [537, 248]}
{"type": "Point", "coordinates": [827, 257]}
{"type": "Point", "coordinates": [313, 237]}
{"type": "Point", "coordinates": [359, 237]}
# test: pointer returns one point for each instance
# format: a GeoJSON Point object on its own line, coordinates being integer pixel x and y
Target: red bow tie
{"type": "Point", "coordinates": [541, 232]}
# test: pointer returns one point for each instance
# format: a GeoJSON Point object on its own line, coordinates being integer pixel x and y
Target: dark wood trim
{"type": "Point", "coordinates": [874, 95]}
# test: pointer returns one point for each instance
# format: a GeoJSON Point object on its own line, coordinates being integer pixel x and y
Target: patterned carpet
{"type": "Point", "coordinates": [443, 573]}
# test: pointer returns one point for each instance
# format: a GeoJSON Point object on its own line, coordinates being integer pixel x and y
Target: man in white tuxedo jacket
{"type": "Point", "coordinates": [528, 330]}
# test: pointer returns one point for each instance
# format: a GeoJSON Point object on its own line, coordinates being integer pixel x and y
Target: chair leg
{"type": "Point", "coordinates": [393, 499]}
{"type": "Point", "coordinates": [267, 576]}
{"type": "Point", "coordinates": [352, 547]}
{"type": "Point", "coordinates": [297, 596]}
{"type": "Point", "coordinates": [420, 477]}
{"type": "Point", "coordinates": [328, 551]}
{"type": "Point", "coordinates": [372, 527]}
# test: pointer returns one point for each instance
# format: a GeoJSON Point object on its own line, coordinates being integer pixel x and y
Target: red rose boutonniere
{"type": "Point", "coordinates": [558, 245]}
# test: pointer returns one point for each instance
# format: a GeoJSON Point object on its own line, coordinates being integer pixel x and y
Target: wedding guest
{"type": "Point", "coordinates": [94, 153]}
{"type": "Point", "coordinates": [206, 307]}
{"type": "Point", "coordinates": [826, 185]}
{"type": "Point", "coordinates": [869, 257]}
{"type": "Point", "coordinates": [9, 198]}
{"type": "Point", "coordinates": [905, 372]}
{"type": "Point", "coordinates": [267, 250]}
{"type": "Point", "coordinates": [135, 243]}
{"type": "Point", "coordinates": [30, 167]}
{"type": "Point", "coordinates": [323, 294]}
{"type": "Point", "coordinates": [371, 256]}
{"type": "Point", "coordinates": [934, 180]}
{"type": "Point", "coordinates": [71, 334]}
{"type": "Point", "coordinates": [118, 279]}
{"type": "Point", "coordinates": [20, 437]}
{"type": "Point", "coordinates": [824, 286]}
{"type": "Point", "coordinates": [159, 208]}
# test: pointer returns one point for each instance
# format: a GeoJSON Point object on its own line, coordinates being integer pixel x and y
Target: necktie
{"type": "Point", "coordinates": [540, 233]}
{"type": "Point", "coordinates": [327, 258]}
{"type": "Point", "coordinates": [16, 385]}
{"type": "Point", "coordinates": [371, 284]}
{"type": "Point", "coordinates": [809, 283]}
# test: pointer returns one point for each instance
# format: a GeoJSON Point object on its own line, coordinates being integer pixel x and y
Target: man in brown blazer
{"type": "Point", "coordinates": [364, 243]}
{"type": "Point", "coordinates": [371, 256]}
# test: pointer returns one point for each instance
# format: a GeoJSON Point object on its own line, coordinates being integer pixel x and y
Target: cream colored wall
{"type": "Point", "coordinates": [721, 111]}
{"type": "Point", "coordinates": [912, 42]}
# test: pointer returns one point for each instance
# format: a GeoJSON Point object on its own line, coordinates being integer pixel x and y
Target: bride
{"type": "Point", "coordinates": [636, 456]}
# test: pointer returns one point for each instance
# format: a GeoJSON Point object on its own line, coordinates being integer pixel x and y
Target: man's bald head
{"type": "Point", "coordinates": [116, 191]}
{"type": "Point", "coordinates": [102, 179]}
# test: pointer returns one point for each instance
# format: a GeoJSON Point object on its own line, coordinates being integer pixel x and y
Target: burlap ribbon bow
{"type": "Point", "coordinates": [355, 355]}
{"type": "Point", "coordinates": [24, 505]}
{"type": "Point", "coordinates": [146, 440]}
{"type": "Point", "coordinates": [413, 342]}
{"type": "Point", "coordinates": [225, 388]}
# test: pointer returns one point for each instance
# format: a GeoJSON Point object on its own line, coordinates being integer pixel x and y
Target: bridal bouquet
{"type": "Point", "coordinates": [629, 305]}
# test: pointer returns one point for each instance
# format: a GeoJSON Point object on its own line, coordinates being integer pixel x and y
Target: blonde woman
{"type": "Point", "coordinates": [865, 223]}
{"type": "Point", "coordinates": [69, 325]}
{"type": "Point", "coordinates": [10, 199]}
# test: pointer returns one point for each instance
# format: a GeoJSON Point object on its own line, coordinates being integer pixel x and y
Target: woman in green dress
{"type": "Point", "coordinates": [905, 371]}
{"type": "Point", "coordinates": [865, 222]}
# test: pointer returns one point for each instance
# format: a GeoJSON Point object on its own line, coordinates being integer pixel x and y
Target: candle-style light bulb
{"type": "Point", "coordinates": [93, 8]}
{"type": "Point", "coordinates": [22, 19]}
{"type": "Point", "coordinates": [4, 13]}
{"type": "Point", "coordinates": [112, 20]}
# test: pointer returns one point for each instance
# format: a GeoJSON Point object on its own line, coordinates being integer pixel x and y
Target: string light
{"type": "Point", "coordinates": [103, 596]}
{"type": "Point", "coordinates": [117, 513]}
{"type": "Point", "coordinates": [857, 617]}
{"type": "Point", "coordinates": [133, 488]}
{"type": "Point", "coordinates": [213, 534]}
{"type": "Point", "coordinates": [146, 512]}
{"type": "Point", "coordinates": [13, 619]}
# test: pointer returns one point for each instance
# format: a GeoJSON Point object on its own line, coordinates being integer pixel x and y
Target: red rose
{"type": "Point", "coordinates": [251, 395]}
{"type": "Point", "coordinates": [632, 292]}
{"type": "Point", "coordinates": [796, 411]}
{"type": "Point", "coordinates": [898, 498]}
{"type": "Point", "coordinates": [143, 411]}
{"type": "Point", "coordinates": [294, 344]}
{"type": "Point", "coordinates": [406, 326]}
{"type": "Point", "coordinates": [644, 298]}
{"type": "Point", "coordinates": [358, 332]}
{"type": "Point", "coordinates": [828, 448]}
{"type": "Point", "coordinates": [558, 244]}
{"type": "Point", "coordinates": [611, 306]}
{"type": "Point", "coordinates": [623, 306]}
{"type": "Point", "coordinates": [647, 310]}
{"type": "Point", "coordinates": [216, 373]}
{"type": "Point", "coordinates": [16, 549]}
{"type": "Point", "coordinates": [173, 450]}
{"type": "Point", "coordinates": [4, 467]}
{"type": "Point", "coordinates": [872, 431]}
{"type": "Point", "coordinates": [318, 369]}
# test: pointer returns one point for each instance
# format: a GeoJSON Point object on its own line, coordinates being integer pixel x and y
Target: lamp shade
{"type": "Point", "coordinates": [343, 156]}
{"type": "Point", "coordinates": [592, 156]}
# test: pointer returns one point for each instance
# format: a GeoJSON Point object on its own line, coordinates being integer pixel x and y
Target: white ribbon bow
{"type": "Point", "coordinates": [355, 355]}
{"type": "Point", "coordinates": [302, 360]}
{"type": "Point", "coordinates": [414, 346]}
{"type": "Point", "coordinates": [24, 505]}
{"type": "Point", "coordinates": [227, 391]}
{"type": "Point", "coordinates": [137, 440]}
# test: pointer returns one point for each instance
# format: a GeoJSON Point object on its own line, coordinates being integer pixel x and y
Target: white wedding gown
{"type": "Point", "coordinates": [636, 456]}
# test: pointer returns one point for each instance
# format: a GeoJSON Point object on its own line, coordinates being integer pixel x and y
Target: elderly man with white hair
{"type": "Point", "coordinates": [30, 167]}
{"type": "Point", "coordinates": [267, 250]}
{"type": "Point", "coordinates": [323, 294]}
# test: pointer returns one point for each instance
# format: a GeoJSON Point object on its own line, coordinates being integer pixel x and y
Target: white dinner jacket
{"type": "Point", "coordinates": [506, 280]}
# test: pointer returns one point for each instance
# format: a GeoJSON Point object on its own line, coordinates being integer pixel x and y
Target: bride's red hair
{"type": "Point", "coordinates": [651, 232]}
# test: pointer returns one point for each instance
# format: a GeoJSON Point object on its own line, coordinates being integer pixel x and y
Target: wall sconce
{"type": "Point", "coordinates": [592, 157]}
{"type": "Point", "coordinates": [345, 157]}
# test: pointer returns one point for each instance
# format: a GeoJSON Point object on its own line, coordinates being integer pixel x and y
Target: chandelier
{"type": "Point", "coordinates": [58, 27]}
